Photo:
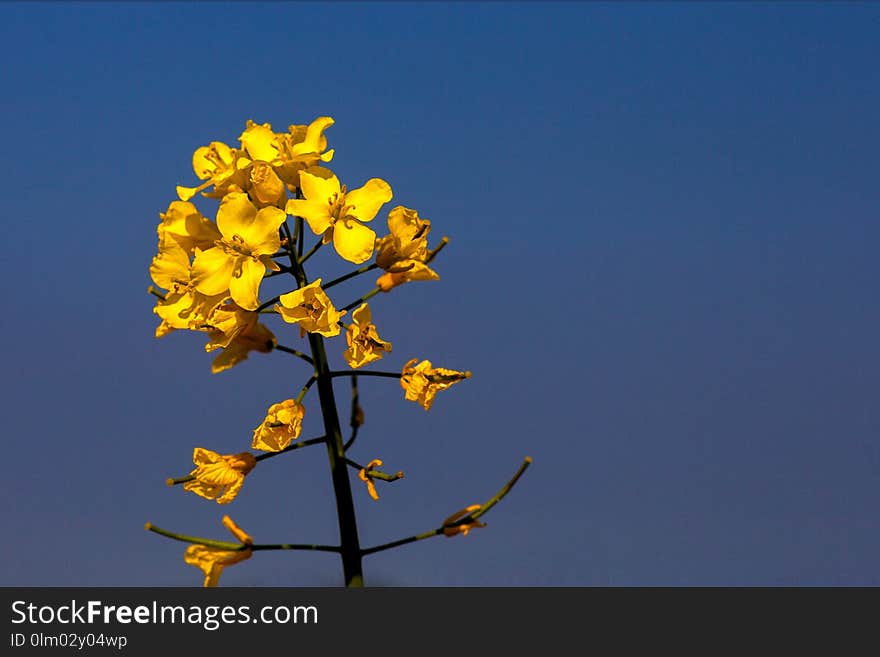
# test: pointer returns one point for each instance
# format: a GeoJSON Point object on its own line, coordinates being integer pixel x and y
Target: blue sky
{"type": "Point", "coordinates": [662, 273]}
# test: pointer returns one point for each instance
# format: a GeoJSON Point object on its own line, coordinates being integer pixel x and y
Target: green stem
{"type": "Point", "coordinates": [260, 457]}
{"type": "Point", "coordinates": [375, 474]}
{"type": "Point", "coordinates": [237, 547]}
{"type": "Point", "coordinates": [311, 251]}
{"type": "Point", "coordinates": [433, 254]}
{"type": "Point", "coordinates": [350, 549]}
{"type": "Point", "coordinates": [156, 293]}
{"type": "Point", "coordinates": [390, 375]}
{"type": "Point", "coordinates": [492, 501]}
{"type": "Point", "coordinates": [297, 546]}
{"type": "Point", "coordinates": [354, 421]}
{"type": "Point", "coordinates": [290, 448]}
{"type": "Point", "coordinates": [305, 388]}
{"type": "Point", "coordinates": [357, 302]}
{"type": "Point", "coordinates": [351, 274]}
{"type": "Point", "coordinates": [402, 541]}
{"type": "Point", "coordinates": [348, 534]}
{"type": "Point", "coordinates": [288, 350]}
{"type": "Point", "coordinates": [268, 303]}
{"type": "Point", "coordinates": [223, 545]}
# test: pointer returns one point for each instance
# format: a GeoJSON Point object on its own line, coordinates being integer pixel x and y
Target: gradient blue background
{"type": "Point", "coordinates": [663, 274]}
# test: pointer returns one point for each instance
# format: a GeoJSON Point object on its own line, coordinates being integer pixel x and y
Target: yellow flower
{"type": "Point", "coordinates": [423, 382]}
{"type": "Point", "coordinates": [311, 308]}
{"type": "Point", "coordinates": [183, 307]}
{"type": "Point", "coordinates": [364, 476]}
{"type": "Point", "coordinates": [187, 227]}
{"type": "Point", "coordinates": [364, 344]}
{"type": "Point", "coordinates": [403, 254]}
{"type": "Point", "coordinates": [452, 530]}
{"type": "Point", "coordinates": [265, 187]}
{"type": "Point", "coordinates": [339, 215]}
{"type": "Point", "coordinates": [226, 322]}
{"type": "Point", "coordinates": [301, 147]}
{"type": "Point", "coordinates": [217, 164]}
{"type": "Point", "coordinates": [213, 560]}
{"type": "Point", "coordinates": [274, 160]}
{"type": "Point", "coordinates": [283, 424]}
{"type": "Point", "coordinates": [254, 337]}
{"type": "Point", "coordinates": [240, 259]}
{"type": "Point", "coordinates": [219, 476]}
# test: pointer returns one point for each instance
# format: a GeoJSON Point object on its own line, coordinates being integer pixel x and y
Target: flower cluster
{"type": "Point", "coordinates": [211, 273]}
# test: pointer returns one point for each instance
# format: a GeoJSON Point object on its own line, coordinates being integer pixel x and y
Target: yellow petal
{"type": "Point", "coordinates": [316, 213]}
{"type": "Point", "coordinates": [235, 215]}
{"type": "Point", "coordinates": [259, 141]}
{"type": "Point", "coordinates": [186, 193]}
{"type": "Point", "coordinates": [314, 141]}
{"type": "Point", "coordinates": [245, 289]}
{"type": "Point", "coordinates": [262, 235]}
{"type": "Point", "coordinates": [170, 266]}
{"type": "Point", "coordinates": [353, 241]}
{"type": "Point", "coordinates": [211, 271]}
{"type": "Point", "coordinates": [362, 316]}
{"type": "Point", "coordinates": [202, 456]}
{"type": "Point", "coordinates": [186, 225]}
{"type": "Point", "coordinates": [365, 201]}
{"type": "Point", "coordinates": [318, 184]}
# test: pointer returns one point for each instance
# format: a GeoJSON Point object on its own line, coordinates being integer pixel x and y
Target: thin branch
{"type": "Point", "coordinates": [368, 295]}
{"type": "Point", "coordinates": [305, 388]}
{"type": "Point", "coordinates": [238, 547]}
{"type": "Point", "coordinates": [356, 418]}
{"type": "Point", "coordinates": [260, 457]}
{"type": "Point", "coordinates": [468, 519]}
{"type": "Point", "coordinates": [391, 375]}
{"type": "Point", "coordinates": [268, 303]}
{"type": "Point", "coordinates": [351, 274]}
{"type": "Point", "coordinates": [374, 474]}
{"type": "Point", "coordinates": [299, 354]}
{"type": "Point", "coordinates": [156, 293]}
{"type": "Point", "coordinates": [311, 251]}
{"type": "Point", "coordinates": [433, 254]}
{"type": "Point", "coordinates": [284, 270]}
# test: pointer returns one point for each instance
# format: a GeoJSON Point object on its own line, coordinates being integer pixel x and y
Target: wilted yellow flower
{"type": "Point", "coordinates": [364, 476]}
{"type": "Point", "coordinates": [240, 259]}
{"type": "Point", "coordinates": [254, 337]}
{"type": "Point", "coordinates": [213, 560]}
{"type": "Point", "coordinates": [311, 308]}
{"type": "Point", "coordinates": [464, 528]}
{"type": "Point", "coordinates": [364, 344]}
{"type": "Point", "coordinates": [226, 322]}
{"type": "Point", "coordinates": [339, 215]}
{"type": "Point", "coordinates": [283, 424]}
{"type": "Point", "coordinates": [422, 382]}
{"type": "Point", "coordinates": [217, 164]}
{"type": "Point", "coordinates": [219, 476]}
{"type": "Point", "coordinates": [403, 254]}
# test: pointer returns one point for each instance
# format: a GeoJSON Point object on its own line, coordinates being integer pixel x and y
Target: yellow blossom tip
{"type": "Point", "coordinates": [169, 481]}
{"type": "Point", "coordinates": [467, 374]}
{"type": "Point", "coordinates": [528, 459]}
{"type": "Point", "coordinates": [148, 526]}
